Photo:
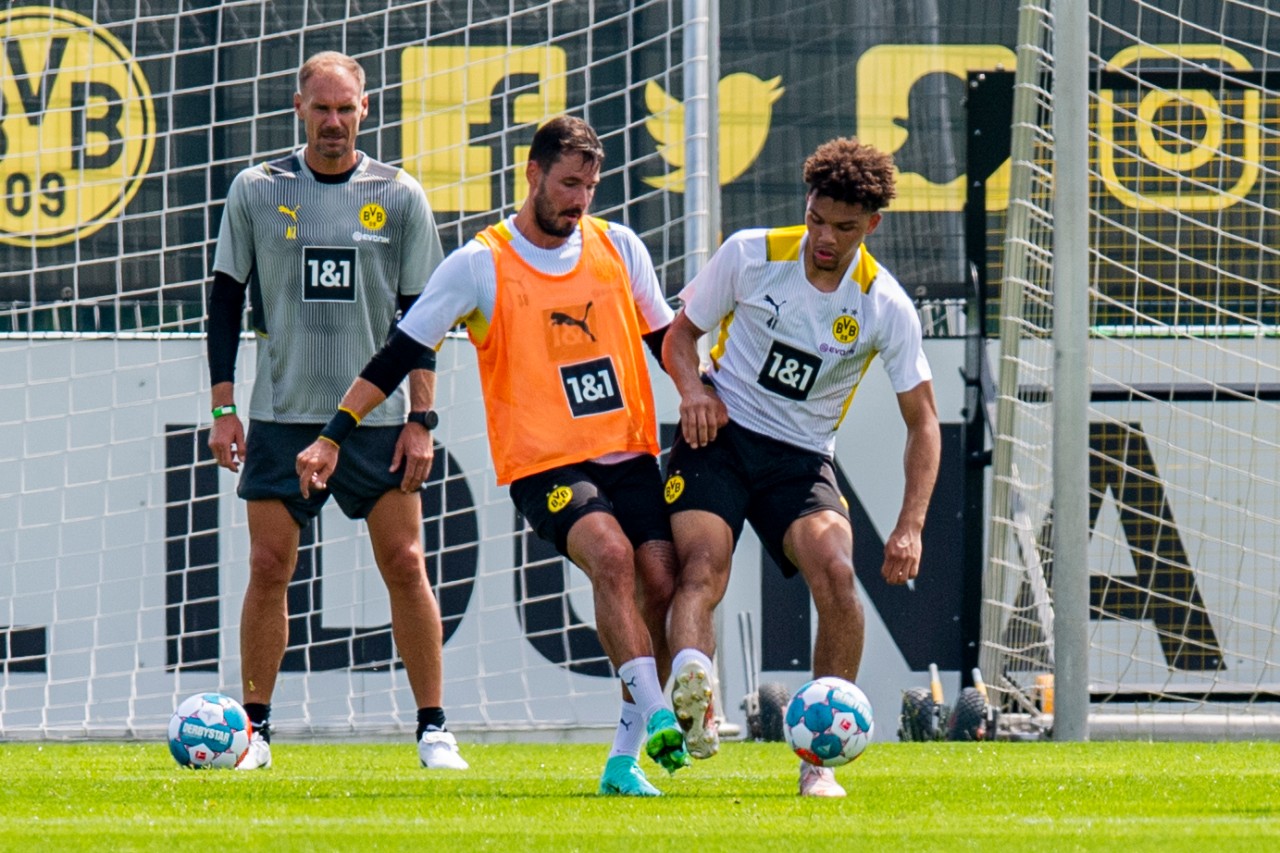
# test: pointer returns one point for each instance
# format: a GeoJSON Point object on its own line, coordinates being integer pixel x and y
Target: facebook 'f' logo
{"type": "Point", "coordinates": [459, 104]}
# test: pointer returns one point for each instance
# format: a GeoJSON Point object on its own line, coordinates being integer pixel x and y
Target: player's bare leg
{"type": "Point", "coordinates": [704, 548]}
{"type": "Point", "coordinates": [704, 545]}
{"type": "Point", "coordinates": [656, 576]}
{"type": "Point", "coordinates": [264, 616]}
{"type": "Point", "coordinates": [396, 536]}
{"type": "Point", "coordinates": [597, 545]}
{"type": "Point", "coordinates": [821, 546]}
{"type": "Point", "coordinates": [395, 532]}
{"type": "Point", "coordinates": [656, 569]}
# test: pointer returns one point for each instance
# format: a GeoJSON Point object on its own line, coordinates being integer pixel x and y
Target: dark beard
{"type": "Point", "coordinates": [546, 219]}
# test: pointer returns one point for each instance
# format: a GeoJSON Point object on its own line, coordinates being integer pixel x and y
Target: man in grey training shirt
{"type": "Point", "coordinates": [332, 246]}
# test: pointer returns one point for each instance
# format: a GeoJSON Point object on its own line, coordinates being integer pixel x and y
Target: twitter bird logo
{"type": "Point", "coordinates": [745, 108]}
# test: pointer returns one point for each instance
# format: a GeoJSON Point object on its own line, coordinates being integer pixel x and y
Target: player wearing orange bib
{"type": "Point", "coordinates": [562, 371]}
{"type": "Point", "coordinates": [557, 304]}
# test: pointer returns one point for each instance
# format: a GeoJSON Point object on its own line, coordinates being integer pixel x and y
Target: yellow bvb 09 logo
{"type": "Point", "coordinates": [559, 498]}
{"type": "Point", "coordinates": [845, 329]}
{"type": "Point", "coordinates": [77, 126]}
{"type": "Point", "coordinates": [674, 488]}
{"type": "Point", "coordinates": [372, 216]}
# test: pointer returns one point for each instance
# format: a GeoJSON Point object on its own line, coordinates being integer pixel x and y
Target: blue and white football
{"type": "Point", "coordinates": [209, 730]}
{"type": "Point", "coordinates": [828, 722]}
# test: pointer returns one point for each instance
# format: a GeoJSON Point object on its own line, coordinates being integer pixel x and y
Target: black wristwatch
{"type": "Point", "coordinates": [430, 420]}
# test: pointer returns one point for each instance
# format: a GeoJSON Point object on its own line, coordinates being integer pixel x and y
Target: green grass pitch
{"type": "Point", "coordinates": [522, 797]}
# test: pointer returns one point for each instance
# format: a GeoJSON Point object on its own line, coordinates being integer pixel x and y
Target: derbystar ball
{"type": "Point", "coordinates": [209, 730]}
{"type": "Point", "coordinates": [828, 722]}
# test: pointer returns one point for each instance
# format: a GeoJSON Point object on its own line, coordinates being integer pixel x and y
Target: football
{"type": "Point", "coordinates": [828, 722]}
{"type": "Point", "coordinates": [209, 730]}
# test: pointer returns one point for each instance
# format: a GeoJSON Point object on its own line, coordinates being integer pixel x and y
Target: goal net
{"type": "Point", "coordinates": [1184, 367]}
{"type": "Point", "coordinates": [123, 549]}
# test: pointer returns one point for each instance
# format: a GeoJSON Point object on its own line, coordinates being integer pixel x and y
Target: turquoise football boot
{"type": "Point", "coordinates": [623, 777]}
{"type": "Point", "coordinates": [666, 741]}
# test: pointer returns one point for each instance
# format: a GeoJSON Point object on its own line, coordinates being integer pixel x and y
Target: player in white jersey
{"type": "Point", "coordinates": [331, 245]}
{"type": "Point", "coordinates": [801, 313]}
{"type": "Point", "coordinates": [557, 304]}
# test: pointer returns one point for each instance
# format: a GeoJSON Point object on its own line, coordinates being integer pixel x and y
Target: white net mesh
{"type": "Point", "coordinates": [123, 550]}
{"type": "Point", "coordinates": [1185, 305]}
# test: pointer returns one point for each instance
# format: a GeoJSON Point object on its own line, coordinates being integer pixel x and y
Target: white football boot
{"type": "Point", "coordinates": [438, 750]}
{"type": "Point", "coordinates": [818, 781]}
{"type": "Point", "coordinates": [257, 756]}
{"type": "Point", "coordinates": [695, 709]}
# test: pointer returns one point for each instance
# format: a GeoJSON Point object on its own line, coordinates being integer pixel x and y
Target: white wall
{"type": "Point", "coordinates": [82, 552]}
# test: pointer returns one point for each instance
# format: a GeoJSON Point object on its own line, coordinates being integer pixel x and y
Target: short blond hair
{"type": "Point", "coordinates": [329, 59]}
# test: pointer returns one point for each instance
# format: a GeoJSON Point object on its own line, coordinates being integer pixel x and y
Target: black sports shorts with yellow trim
{"type": "Point", "coordinates": [744, 475]}
{"type": "Point", "coordinates": [630, 491]}
{"type": "Point", "coordinates": [360, 480]}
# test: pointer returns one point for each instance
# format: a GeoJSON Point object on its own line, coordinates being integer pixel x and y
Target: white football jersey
{"type": "Point", "coordinates": [788, 357]}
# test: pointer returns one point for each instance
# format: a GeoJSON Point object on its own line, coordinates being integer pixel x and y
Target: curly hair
{"type": "Point", "coordinates": [852, 172]}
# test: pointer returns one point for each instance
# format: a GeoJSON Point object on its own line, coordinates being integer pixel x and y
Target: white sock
{"type": "Point", "coordinates": [630, 733]}
{"type": "Point", "coordinates": [684, 656]}
{"type": "Point", "coordinates": [640, 675]}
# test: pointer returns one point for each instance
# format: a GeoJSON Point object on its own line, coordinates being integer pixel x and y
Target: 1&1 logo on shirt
{"type": "Point", "coordinates": [789, 372]}
{"type": "Point", "coordinates": [328, 274]}
{"type": "Point", "coordinates": [591, 387]}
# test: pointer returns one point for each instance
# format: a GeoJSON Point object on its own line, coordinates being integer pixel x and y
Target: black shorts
{"type": "Point", "coordinates": [630, 491]}
{"type": "Point", "coordinates": [744, 475]}
{"type": "Point", "coordinates": [361, 479]}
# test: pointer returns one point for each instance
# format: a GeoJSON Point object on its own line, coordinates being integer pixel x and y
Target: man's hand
{"type": "Point", "coordinates": [226, 440]}
{"type": "Point", "coordinates": [901, 556]}
{"type": "Point", "coordinates": [417, 451]}
{"type": "Point", "coordinates": [315, 464]}
{"type": "Point", "coordinates": [702, 413]}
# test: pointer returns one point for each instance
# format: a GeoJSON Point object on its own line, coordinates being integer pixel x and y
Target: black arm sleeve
{"type": "Point", "coordinates": [391, 364]}
{"type": "Point", "coordinates": [405, 302]}
{"type": "Point", "coordinates": [653, 341]}
{"type": "Point", "coordinates": [222, 327]}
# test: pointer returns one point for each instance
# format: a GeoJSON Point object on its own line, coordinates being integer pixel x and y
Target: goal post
{"type": "Point", "coordinates": [1183, 371]}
